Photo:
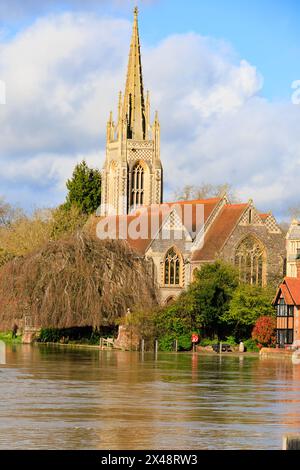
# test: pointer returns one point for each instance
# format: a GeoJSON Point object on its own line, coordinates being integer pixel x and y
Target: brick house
{"type": "Point", "coordinates": [287, 304]}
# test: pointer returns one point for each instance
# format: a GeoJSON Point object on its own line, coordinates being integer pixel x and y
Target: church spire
{"type": "Point", "coordinates": [134, 105]}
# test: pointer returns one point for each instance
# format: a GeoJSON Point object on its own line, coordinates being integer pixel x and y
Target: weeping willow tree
{"type": "Point", "coordinates": [75, 281]}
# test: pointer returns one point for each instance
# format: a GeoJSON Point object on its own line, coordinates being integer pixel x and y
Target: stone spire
{"type": "Point", "coordinates": [134, 105]}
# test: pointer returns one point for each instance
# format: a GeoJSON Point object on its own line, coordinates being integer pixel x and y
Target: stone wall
{"type": "Point", "coordinates": [128, 339]}
{"type": "Point", "coordinates": [274, 244]}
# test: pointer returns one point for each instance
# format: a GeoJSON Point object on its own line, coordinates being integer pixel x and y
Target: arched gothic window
{"type": "Point", "coordinates": [250, 258]}
{"type": "Point", "coordinates": [172, 268]}
{"type": "Point", "coordinates": [137, 185]}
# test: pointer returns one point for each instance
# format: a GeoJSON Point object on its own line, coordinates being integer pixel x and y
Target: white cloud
{"type": "Point", "coordinates": [63, 75]}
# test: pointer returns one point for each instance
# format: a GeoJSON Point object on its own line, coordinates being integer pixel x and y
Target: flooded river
{"type": "Point", "coordinates": [63, 398]}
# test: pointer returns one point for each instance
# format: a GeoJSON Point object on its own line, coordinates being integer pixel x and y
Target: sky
{"type": "Point", "coordinates": [224, 77]}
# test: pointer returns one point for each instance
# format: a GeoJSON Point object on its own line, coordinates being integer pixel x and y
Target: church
{"type": "Point", "coordinates": [178, 237]}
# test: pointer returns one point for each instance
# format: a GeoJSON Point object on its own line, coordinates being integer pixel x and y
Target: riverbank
{"type": "Point", "coordinates": [70, 345]}
{"type": "Point", "coordinates": [200, 353]}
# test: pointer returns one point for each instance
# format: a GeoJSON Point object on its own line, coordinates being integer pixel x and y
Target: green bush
{"type": "Point", "coordinates": [167, 342]}
{"type": "Point", "coordinates": [50, 335]}
{"type": "Point", "coordinates": [7, 338]}
{"type": "Point", "coordinates": [82, 335]}
{"type": "Point", "coordinates": [185, 342]}
{"type": "Point", "coordinates": [231, 340]}
{"type": "Point", "coordinates": [250, 345]}
{"type": "Point", "coordinates": [208, 342]}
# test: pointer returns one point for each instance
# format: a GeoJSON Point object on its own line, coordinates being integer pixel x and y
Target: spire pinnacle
{"type": "Point", "coordinates": [134, 105]}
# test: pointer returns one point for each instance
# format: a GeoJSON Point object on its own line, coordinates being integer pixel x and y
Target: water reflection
{"type": "Point", "coordinates": [56, 397]}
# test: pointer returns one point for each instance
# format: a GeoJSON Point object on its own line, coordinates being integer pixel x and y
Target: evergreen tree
{"type": "Point", "coordinates": [84, 189]}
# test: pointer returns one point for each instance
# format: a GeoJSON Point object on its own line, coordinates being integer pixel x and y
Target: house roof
{"type": "Point", "coordinates": [290, 289]}
{"type": "Point", "coordinates": [219, 232]}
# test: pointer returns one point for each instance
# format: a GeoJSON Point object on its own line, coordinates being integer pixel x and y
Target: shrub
{"type": "Point", "coordinates": [264, 332]}
{"type": "Point", "coordinates": [250, 345]}
{"type": "Point", "coordinates": [231, 340]}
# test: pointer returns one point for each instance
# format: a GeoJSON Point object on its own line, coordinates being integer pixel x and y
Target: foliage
{"type": "Point", "coordinates": [167, 342]}
{"type": "Point", "coordinates": [204, 191]}
{"type": "Point", "coordinates": [8, 213]}
{"type": "Point", "coordinates": [74, 281]}
{"type": "Point", "coordinates": [7, 338]}
{"type": "Point", "coordinates": [201, 308]}
{"type": "Point", "coordinates": [142, 320]}
{"type": "Point", "coordinates": [248, 303]}
{"type": "Point", "coordinates": [175, 322]}
{"type": "Point", "coordinates": [83, 335]}
{"type": "Point", "coordinates": [5, 257]}
{"type": "Point", "coordinates": [66, 221]}
{"type": "Point", "coordinates": [231, 340]}
{"type": "Point", "coordinates": [250, 345]}
{"type": "Point", "coordinates": [84, 189]}
{"type": "Point", "coordinates": [264, 331]}
{"type": "Point", "coordinates": [210, 295]}
{"type": "Point", "coordinates": [208, 341]}
{"type": "Point", "coordinates": [26, 234]}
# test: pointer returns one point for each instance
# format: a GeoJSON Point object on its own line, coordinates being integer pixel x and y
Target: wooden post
{"type": "Point", "coordinates": [143, 345]}
{"type": "Point", "coordinates": [156, 348]}
{"type": "Point", "coordinates": [291, 442]}
{"type": "Point", "coordinates": [220, 347]}
{"type": "Point", "coordinates": [101, 343]}
{"type": "Point", "coordinates": [176, 345]}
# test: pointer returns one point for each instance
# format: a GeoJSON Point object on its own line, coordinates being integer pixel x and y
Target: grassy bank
{"type": "Point", "coordinates": [8, 339]}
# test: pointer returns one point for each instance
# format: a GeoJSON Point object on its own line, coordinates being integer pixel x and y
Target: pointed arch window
{"type": "Point", "coordinates": [137, 185]}
{"type": "Point", "coordinates": [250, 258]}
{"type": "Point", "coordinates": [172, 268]}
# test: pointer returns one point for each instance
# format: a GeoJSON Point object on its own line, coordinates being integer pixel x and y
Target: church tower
{"type": "Point", "coordinates": [132, 172]}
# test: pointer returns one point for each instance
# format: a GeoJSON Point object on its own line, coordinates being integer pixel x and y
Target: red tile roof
{"type": "Point", "coordinates": [286, 295]}
{"type": "Point", "coordinates": [290, 289]}
{"type": "Point", "coordinates": [219, 232]}
{"type": "Point", "coordinates": [152, 224]}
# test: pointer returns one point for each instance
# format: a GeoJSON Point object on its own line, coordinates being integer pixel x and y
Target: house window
{"type": "Point", "coordinates": [285, 323]}
{"type": "Point", "coordinates": [172, 268]}
{"type": "Point", "coordinates": [250, 258]}
{"type": "Point", "coordinates": [137, 185]}
{"type": "Point", "coordinates": [284, 310]}
{"type": "Point", "coordinates": [284, 337]}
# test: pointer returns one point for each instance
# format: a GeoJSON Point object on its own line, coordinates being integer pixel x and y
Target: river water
{"type": "Point", "coordinates": [63, 398]}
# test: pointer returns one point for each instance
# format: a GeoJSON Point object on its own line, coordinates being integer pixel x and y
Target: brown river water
{"type": "Point", "coordinates": [64, 398]}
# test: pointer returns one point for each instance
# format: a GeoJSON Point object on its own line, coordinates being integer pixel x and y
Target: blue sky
{"type": "Point", "coordinates": [265, 31]}
{"type": "Point", "coordinates": [220, 73]}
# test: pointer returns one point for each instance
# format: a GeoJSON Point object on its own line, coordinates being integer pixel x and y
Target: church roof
{"type": "Point", "coordinates": [144, 226]}
{"type": "Point", "coordinates": [154, 216]}
{"type": "Point", "coordinates": [290, 289]}
{"type": "Point", "coordinates": [219, 231]}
